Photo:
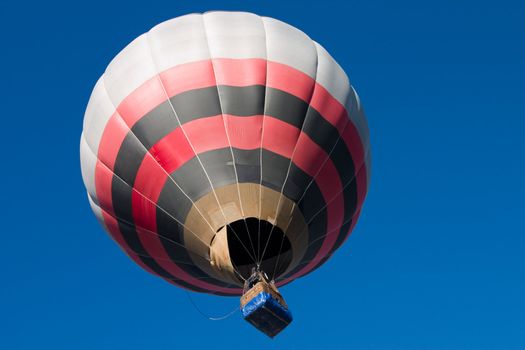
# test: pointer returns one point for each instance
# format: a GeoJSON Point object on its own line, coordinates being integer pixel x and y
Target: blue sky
{"type": "Point", "coordinates": [436, 261]}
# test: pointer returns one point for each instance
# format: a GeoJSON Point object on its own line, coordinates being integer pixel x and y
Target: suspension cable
{"type": "Point", "coordinates": [211, 318]}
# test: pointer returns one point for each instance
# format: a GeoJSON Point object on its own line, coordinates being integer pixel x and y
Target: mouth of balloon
{"type": "Point", "coordinates": [251, 240]}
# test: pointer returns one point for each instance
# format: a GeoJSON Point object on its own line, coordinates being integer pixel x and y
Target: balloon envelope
{"type": "Point", "coordinates": [218, 142]}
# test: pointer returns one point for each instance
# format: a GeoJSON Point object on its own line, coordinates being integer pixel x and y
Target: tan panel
{"type": "Point", "coordinates": [220, 255]}
{"type": "Point", "coordinates": [257, 201]}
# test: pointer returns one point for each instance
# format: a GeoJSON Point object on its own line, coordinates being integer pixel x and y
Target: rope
{"type": "Point", "coordinates": [218, 318]}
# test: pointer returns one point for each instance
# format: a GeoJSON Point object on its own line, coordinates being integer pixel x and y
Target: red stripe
{"type": "Point", "coordinates": [240, 72]}
{"type": "Point", "coordinates": [114, 133]}
{"type": "Point", "coordinates": [291, 80]}
{"type": "Point", "coordinates": [186, 77]}
{"type": "Point", "coordinates": [141, 101]}
{"type": "Point", "coordinates": [245, 133]}
{"type": "Point", "coordinates": [103, 180]}
{"type": "Point", "coordinates": [331, 110]}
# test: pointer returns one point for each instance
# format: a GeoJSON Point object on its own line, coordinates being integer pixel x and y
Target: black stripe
{"type": "Point", "coordinates": [129, 157]}
{"type": "Point", "coordinates": [286, 107]}
{"type": "Point", "coordinates": [249, 100]}
{"type": "Point", "coordinates": [195, 104]}
{"type": "Point", "coordinates": [248, 165]}
{"type": "Point", "coordinates": [342, 236]}
{"type": "Point", "coordinates": [155, 125]}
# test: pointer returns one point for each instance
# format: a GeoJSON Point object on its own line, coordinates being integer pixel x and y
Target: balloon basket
{"type": "Point", "coordinates": [264, 307]}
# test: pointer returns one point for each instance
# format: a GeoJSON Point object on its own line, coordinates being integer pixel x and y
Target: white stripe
{"type": "Point", "coordinates": [288, 45]}
{"type": "Point", "coordinates": [331, 76]}
{"type": "Point", "coordinates": [88, 163]}
{"type": "Point", "coordinates": [368, 163]}
{"type": "Point", "coordinates": [98, 112]}
{"type": "Point", "coordinates": [358, 118]}
{"type": "Point", "coordinates": [128, 70]}
{"type": "Point", "coordinates": [235, 35]}
{"type": "Point", "coordinates": [178, 41]}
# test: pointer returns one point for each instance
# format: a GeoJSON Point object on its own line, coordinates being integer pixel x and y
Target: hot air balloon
{"type": "Point", "coordinates": [223, 146]}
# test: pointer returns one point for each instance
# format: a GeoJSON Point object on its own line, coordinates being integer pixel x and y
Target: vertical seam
{"type": "Point", "coordinates": [262, 141]}
{"type": "Point", "coordinates": [295, 148]}
{"type": "Point", "coordinates": [228, 137]}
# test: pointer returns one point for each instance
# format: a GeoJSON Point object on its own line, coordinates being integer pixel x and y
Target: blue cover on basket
{"type": "Point", "coordinates": [266, 314]}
